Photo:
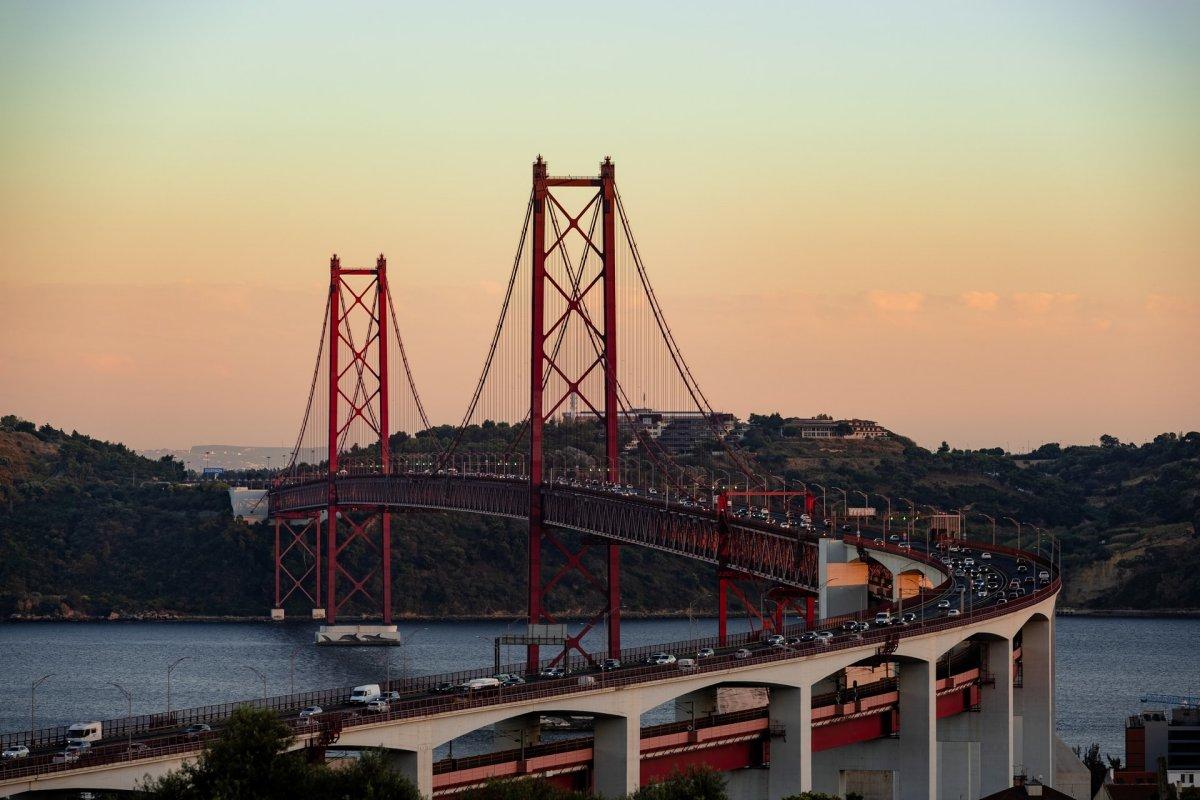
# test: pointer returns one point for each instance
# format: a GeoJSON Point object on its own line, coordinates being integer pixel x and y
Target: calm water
{"type": "Point", "coordinates": [1104, 665]}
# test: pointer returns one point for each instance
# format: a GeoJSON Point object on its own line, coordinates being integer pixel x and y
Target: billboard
{"type": "Point", "coordinates": [863, 511]}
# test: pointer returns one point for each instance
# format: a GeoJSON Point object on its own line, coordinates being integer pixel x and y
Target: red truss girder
{"type": "Point", "coordinates": [297, 562]}
{"type": "Point", "coordinates": [780, 559]}
{"type": "Point", "coordinates": [358, 390]}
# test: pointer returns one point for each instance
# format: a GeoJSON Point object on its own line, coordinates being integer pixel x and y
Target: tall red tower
{"type": "Point", "coordinates": [572, 381]}
{"type": "Point", "coordinates": [357, 538]}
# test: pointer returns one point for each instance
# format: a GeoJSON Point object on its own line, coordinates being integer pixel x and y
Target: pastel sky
{"type": "Point", "coordinates": [971, 221]}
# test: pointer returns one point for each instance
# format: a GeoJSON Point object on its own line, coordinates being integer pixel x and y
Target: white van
{"type": "Point", "coordinates": [475, 684]}
{"type": "Point", "coordinates": [84, 732]}
{"type": "Point", "coordinates": [686, 663]}
{"type": "Point", "coordinates": [365, 693]}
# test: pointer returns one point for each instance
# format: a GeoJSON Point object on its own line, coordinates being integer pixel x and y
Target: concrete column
{"type": "Point", "coordinates": [996, 720]}
{"type": "Point", "coordinates": [791, 756]}
{"type": "Point", "coordinates": [616, 756]}
{"type": "Point", "coordinates": [507, 735]}
{"type": "Point", "coordinates": [918, 731]}
{"type": "Point", "coordinates": [417, 766]}
{"type": "Point", "coordinates": [1037, 726]}
{"type": "Point", "coordinates": [697, 705]}
{"type": "Point", "coordinates": [839, 594]}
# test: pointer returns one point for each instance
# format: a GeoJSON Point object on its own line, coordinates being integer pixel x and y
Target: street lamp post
{"type": "Point", "coordinates": [128, 712]}
{"type": "Point", "coordinates": [992, 520]}
{"type": "Point", "coordinates": [171, 669]}
{"type": "Point", "coordinates": [292, 669]}
{"type": "Point", "coordinates": [912, 515]}
{"type": "Point", "coordinates": [33, 704]}
{"type": "Point", "coordinates": [1018, 524]}
{"type": "Point", "coordinates": [261, 677]}
{"type": "Point", "coordinates": [888, 519]}
{"type": "Point", "coordinates": [824, 514]}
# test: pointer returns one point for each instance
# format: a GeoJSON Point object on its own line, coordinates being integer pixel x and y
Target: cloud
{"type": "Point", "coordinates": [108, 363]}
{"type": "Point", "coordinates": [1044, 302]}
{"type": "Point", "coordinates": [904, 302]}
{"type": "Point", "coordinates": [1171, 305]}
{"type": "Point", "coordinates": [980, 301]}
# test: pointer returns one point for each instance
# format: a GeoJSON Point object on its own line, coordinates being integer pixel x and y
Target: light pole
{"type": "Point", "coordinates": [292, 669]}
{"type": "Point", "coordinates": [824, 514]}
{"type": "Point", "coordinates": [866, 504]}
{"type": "Point", "coordinates": [261, 677]}
{"type": "Point", "coordinates": [888, 519]}
{"type": "Point", "coordinates": [171, 669]}
{"type": "Point", "coordinates": [1018, 524]}
{"type": "Point", "coordinates": [992, 520]}
{"type": "Point", "coordinates": [128, 712]}
{"type": "Point", "coordinates": [912, 515]}
{"type": "Point", "coordinates": [33, 704]}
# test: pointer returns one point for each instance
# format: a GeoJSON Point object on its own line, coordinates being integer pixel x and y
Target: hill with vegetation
{"type": "Point", "coordinates": [91, 529]}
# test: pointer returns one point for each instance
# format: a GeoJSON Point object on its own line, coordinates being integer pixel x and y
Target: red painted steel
{"type": "Point", "coordinates": [358, 394]}
{"type": "Point", "coordinates": [543, 408]}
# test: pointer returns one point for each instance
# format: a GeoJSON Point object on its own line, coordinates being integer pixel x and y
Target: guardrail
{"type": "Point", "coordinates": [563, 687]}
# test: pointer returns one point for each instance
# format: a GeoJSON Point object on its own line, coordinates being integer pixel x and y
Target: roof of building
{"type": "Point", "coordinates": [1024, 792]}
{"type": "Point", "coordinates": [1130, 791]}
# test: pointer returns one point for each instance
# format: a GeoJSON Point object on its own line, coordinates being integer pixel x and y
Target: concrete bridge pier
{"type": "Point", "coordinates": [843, 585]}
{"type": "Point", "coordinates": [617, 753]}
{"type": "Point", "coordinates": [996, 719]}
{"type": "Point", "coordinates": [521, 731]}
{"type": "Point", "coordinates": [696, 705]}
{"type": "Point", "coordinates": [791, 755]}
{"type": "Point", "coordinates": [918, 730]}
{"type": "Point", "coordinates": [1037, 701]}
{"type": "Point", "coordinates": [416, 765]}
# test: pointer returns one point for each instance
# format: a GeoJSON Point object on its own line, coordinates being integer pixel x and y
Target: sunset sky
{"type": "Point", "coordinates": [977, 222]}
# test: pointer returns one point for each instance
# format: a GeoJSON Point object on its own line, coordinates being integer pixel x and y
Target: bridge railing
{"type": "Point", "coordinates": [213, 713]}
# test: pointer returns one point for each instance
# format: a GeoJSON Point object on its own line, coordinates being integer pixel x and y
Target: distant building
{"type": "Point", "coordinates": [825, 427]}
{"type": "Point", "coordinates": [1172, 736]}
{"type": "Point", "coordinates": [679, 431]}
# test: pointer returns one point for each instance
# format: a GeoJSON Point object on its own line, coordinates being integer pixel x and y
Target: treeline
{"type": "Point", "coordinates": [90, 528]}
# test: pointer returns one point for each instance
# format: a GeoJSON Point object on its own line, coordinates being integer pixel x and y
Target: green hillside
{"type": "Point", "coordinates": [89, 528]}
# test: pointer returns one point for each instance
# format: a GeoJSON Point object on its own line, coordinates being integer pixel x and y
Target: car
{"type": "Point", "coordinates": [1022, 568]}
{"type": "Point", "coordinates": [943, 604]}
{"type": "Point", "coordinates": [553, 672]}
{"type": "Point", "coordinates": [662, 659]}
{"type": "Point", "coordinates": [197, 729]}
{"type": "Point", "coordinates": [67, 756]}
{"type": "Point", "coordinates": [954, 612]}
{"type": "Point", "coordinates": [895, 537]}
{"type": "Point", "coordinates": [775, 640]}
{"type": "Point", "coordinates": [686, 663]}
{"type": "Point", "coordinates": [850, 626]}
{"type": "Point", "coordinates": [517, 680]}
{"type": "Point", "coordinates": [909, 616]}
{"type": "Point", "coordinates": [445, 687]}
{"type": "Point", "coordinates": [877, 539]}
{"type": "Point", "coordinates": [808, 636]}
{"type": "Point", "coordinates": [825, 637]}
{"type": "Point", "coordinates": [311, 711]}
{"type": "Point", "coordinates": [391, 697]}
{"type": "Point", "coordinates": [741, 653]}
{"type": "Point", "coordinates": [610, 664]}
{"type": "Point", "coordinates": [883, 618]}
{"type": "Point", "coordinates": [378, 706]}
{"type": "Point", "coordinates": [17, 751]}
{"type": "Point", "coordinates": [792, 641]}
{"type": "Point", "coordinates": [970, 562]}
{"type": "Point", "coordinates": [1001, 600]}
{"type": "Point", "coordinates": [705, 652]}
{"type": "Point", "coordinates": [1044, 575]}
{"type": "Point", "coordinates": [136, 748]}
{"type": "Point", "coordinates": [986, 556]}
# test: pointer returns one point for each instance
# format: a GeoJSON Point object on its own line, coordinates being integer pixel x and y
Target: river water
{"type": "Point", "coordinates": [1104, 665]}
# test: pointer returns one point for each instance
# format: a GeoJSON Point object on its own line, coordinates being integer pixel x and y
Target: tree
{"type": "Point", "coordinates": [1095, 764]}
{"type": "Point", "coordinates": [250, 761]}
{"type": "Point", "coordinates": [813, 796]}
{"type": "Point", "coordinates": [694, 783]}
{"type": "Point", "coordinates": [1109, 441]}
{"type": "Point", "coordinates": [943, 448]}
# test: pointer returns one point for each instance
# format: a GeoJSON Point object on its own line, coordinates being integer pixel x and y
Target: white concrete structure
{"type": "Point", "coordinates": [925, 761]}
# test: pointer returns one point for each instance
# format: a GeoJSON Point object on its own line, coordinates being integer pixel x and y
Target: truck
{"type": "Point", "coordinates": [365, 693]}
{"type": "Point", "coordinates": [84, 732]}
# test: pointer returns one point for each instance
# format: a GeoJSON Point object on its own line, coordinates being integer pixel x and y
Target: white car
{"type": "Point", "coordinates": [705, 652]}
{"type": "Point", "coordinates": [824, 637]}
{"type": "Point", "coordinates": [20, 751]}
{"type": "Point", "coordinates": [311, 711]}
{"type": "Point", "coordinates": [775, 640]}
{"type": "Point", "coordinates": [954, 612]}
{"type": "Point", "coordinates": [662, 659]}
{"type": "Point", "coordinates": [66, 757]}
{"type": "Point", "coordinates": [741, 653]}
{"type": "Point", "coordinates": [378, 706]}
{"type": "Point", "coordinates": [943, 604]}
{"type": "Point", "coordinates": [985, 555]}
